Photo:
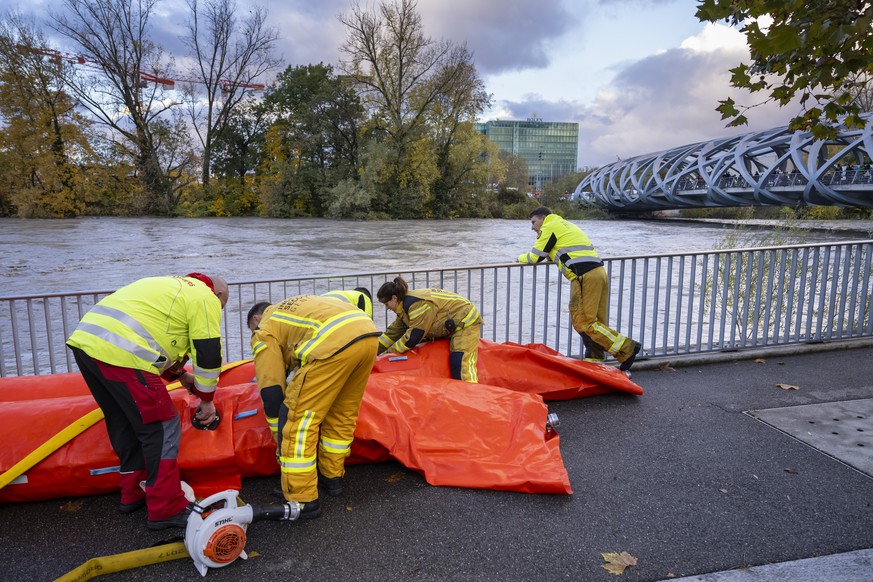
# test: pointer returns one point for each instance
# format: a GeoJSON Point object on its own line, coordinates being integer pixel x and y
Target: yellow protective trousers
{"type": "Point", "coordinates": [589, 296]}
{"type": "Point", "coordinates": [323, 400]}
{"type": "Point", "coordinates": [464, 353]}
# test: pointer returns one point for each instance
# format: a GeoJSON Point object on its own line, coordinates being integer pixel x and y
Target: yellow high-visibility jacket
{"type": "Point", "coordinates": [422, 315]}
{"type": "Point", "coordinates": [301, 329]}
{"type": "Point", "coordinates": [565, 244]}
{"type": "Point", "coordinates": [154, 323]}
{"type": "Point", "coordinates": [360, 300]}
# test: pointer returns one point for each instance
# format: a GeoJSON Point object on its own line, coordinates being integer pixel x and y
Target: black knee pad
{"type": "Point", "coordinates": [455, 359]}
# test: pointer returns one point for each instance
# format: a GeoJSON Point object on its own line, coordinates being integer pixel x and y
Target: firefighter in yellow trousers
{"type": "Point", "coordinates": [571, 250]}
{"type": "Point", "coordinates": [331, 345]}
{"type": "Point", "coordinates": [432, 314]}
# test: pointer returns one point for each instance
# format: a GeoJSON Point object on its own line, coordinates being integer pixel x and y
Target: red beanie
{"type": "Point", "coordinates": [203, 278]}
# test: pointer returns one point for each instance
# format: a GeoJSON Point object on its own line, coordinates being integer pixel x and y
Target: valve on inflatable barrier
{"type": "Point", "coordinates": [552, 423]}
{"type": "Point", "coordinates": [195, 422]}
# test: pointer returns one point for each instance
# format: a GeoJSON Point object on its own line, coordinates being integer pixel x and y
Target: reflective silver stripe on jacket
{"type": "Point", "coordinates": [575, 249]}
{"type": "Point", "coordinates": [207, 374]}
{"type": "Point", "coordinates": [162, 361]}
{"type": "Point", "coordinates": [303, 351]}
{"type": "Point", "coordinates": [471, 316]}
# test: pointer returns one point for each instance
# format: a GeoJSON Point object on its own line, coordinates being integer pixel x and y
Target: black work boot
{"type": "Point", "coordinates": [626, 365]}
{"type": "Point", "coordinates": [178, 520]}
{"type": "Point", "coordinates": [310, 509]}
{"type": "Point", "coordinates": [333, 486]}
{"type": "Point", "coordinates": [131, 507]}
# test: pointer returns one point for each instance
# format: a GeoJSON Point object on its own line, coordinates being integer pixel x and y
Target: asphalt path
{"type": "Point", "coordinates": [679, 478]}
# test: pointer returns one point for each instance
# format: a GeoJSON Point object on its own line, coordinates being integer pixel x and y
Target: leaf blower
{"type": "Point", "coordinates": [216, 536]}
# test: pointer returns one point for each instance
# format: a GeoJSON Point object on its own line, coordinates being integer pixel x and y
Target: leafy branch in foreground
{"type": "Point", "coordinates": [820, 52]}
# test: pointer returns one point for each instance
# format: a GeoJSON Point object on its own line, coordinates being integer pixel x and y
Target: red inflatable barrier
{"type": "Point", "coordinates": [489, 435]}
{"type": "Point", "coordinates": [464, 435]}
{"type": "Point", "coordinates": [210, 461]}
{"type": "Point", "coordinates": [533, 368]}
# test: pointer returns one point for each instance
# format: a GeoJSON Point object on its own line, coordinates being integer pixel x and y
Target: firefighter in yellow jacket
{"type": "Point", "coordinates": [571, 250]}
{"type": "Point", "coordinates": [431, 314]}
{"type": "Point", "coordinates": [359, 297]}
{"type": "Point", "coordinates": [331, 345]}
{"type": "Point", "coordinates": [123, 346]}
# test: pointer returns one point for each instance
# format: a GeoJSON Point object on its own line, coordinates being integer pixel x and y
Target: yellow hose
{"type": "Point", "coordinates": [69, 433]}
{"type": "Point", "coordinates": [128, 560]}
{"type": "Point", "coordinates": [119, 562]}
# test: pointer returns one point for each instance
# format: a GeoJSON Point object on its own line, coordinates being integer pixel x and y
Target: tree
{"type": "Point", "coordinates": [317, 120]}
{"type": "Point", "coordinates": [812, 50]}
{"type": "Point", "coordinates": [401, 74]}
{"type": "Point", "coordinates": [44, 139]}
{"type": "Point", "coordinates": [229, 56]}
{"type": "Point", "coordinates": [238, 147]}
{"type": "Point", "coordinates": [118, 84]}
{"type": "Point", "coordinates": [517, 174]}
{"type": "Point", "coordinates": [557, 193]}
{"type": "Point", "coordinates": [460, 151]}
{"type": "Point", "coordinates": [177, 157]}
{"type": "Point", "coordinates": [861, 91]}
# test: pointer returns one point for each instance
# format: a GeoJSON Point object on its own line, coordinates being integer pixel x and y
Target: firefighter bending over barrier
{"type": "Point", "coordinates": [432, 314]}
{"type": "Point", "coordinates": [331, 345]}
{"type": "Point", "coordinates": [123, 346]}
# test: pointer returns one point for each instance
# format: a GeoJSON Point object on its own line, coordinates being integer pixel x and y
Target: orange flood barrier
{"type": "Point", "coordinates": [488, 436]}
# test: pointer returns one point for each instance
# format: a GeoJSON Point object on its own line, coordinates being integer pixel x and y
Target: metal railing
{"type": "Point", "coordinates": [673, 304]}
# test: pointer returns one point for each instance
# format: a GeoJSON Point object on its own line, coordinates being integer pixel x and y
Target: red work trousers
{"type": "Point", "coordinates": [144, 430]}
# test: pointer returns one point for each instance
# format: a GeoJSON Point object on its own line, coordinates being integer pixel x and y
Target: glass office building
{"type": "Point", "coordinates": [549, 147]}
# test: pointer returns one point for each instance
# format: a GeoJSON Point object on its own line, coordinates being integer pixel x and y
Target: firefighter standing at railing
{"type": "Point", "coordinates": [566, 245]}
{"type": "Point", "coordinates": [331, 345]}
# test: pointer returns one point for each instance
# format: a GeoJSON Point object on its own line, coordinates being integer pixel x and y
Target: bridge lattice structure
{"type": "Point", "coordinates": [775, 167]}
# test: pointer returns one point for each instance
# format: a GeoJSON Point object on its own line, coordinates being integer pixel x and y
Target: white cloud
{"type": "Point", "coordinates": [715, 37]}
{"type": "Point", "coordinates": [668, 100]}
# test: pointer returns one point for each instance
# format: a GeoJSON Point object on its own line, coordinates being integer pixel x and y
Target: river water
{"type": "Point", "coordinates": [100, 254]}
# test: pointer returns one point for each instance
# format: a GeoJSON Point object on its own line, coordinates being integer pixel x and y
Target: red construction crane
{"type": "Point", "coordinates": [165, 82]}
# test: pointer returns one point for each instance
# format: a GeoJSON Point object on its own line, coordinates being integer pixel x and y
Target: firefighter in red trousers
{"type": "Point", "coordinates": [571, 250]}
{"type": "Point", "coordinates": [432, 314]}
{"type": "Point", "coordinates": [123, 346]}
{"type": "Point", "coordinates": [331, 346]}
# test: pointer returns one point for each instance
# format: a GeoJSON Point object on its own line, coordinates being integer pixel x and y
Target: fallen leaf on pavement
{"type": "Point", "coordinates": [788, 387]}
{"type": "Point", "coordinates": [72, 506]}
{"type": "Point", "coordinates": [760, 361]}
{"type": "Point", "coordinates": [616, 563]}
{"type": "Point", "coordinates": [395, 477]}
{"type": "Point", "coordinates": [666, 367]}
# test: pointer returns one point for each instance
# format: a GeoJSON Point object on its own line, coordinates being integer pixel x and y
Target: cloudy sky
{"type": "Point", "coordinates": [639, 76]}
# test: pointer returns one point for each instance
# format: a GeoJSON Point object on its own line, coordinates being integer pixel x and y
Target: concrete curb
{"type": "Point", "coordinates": [656, 362]}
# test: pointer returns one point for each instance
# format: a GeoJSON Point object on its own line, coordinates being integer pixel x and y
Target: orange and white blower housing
{"type": "Point", "coordinates": [216, 536]}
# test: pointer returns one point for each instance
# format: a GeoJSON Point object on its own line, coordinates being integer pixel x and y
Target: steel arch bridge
{"type": "Point", "coordinates": [776, 167]}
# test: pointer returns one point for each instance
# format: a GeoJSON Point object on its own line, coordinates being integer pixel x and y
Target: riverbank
{"type": "Point", "coordinates": [860, 228]}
